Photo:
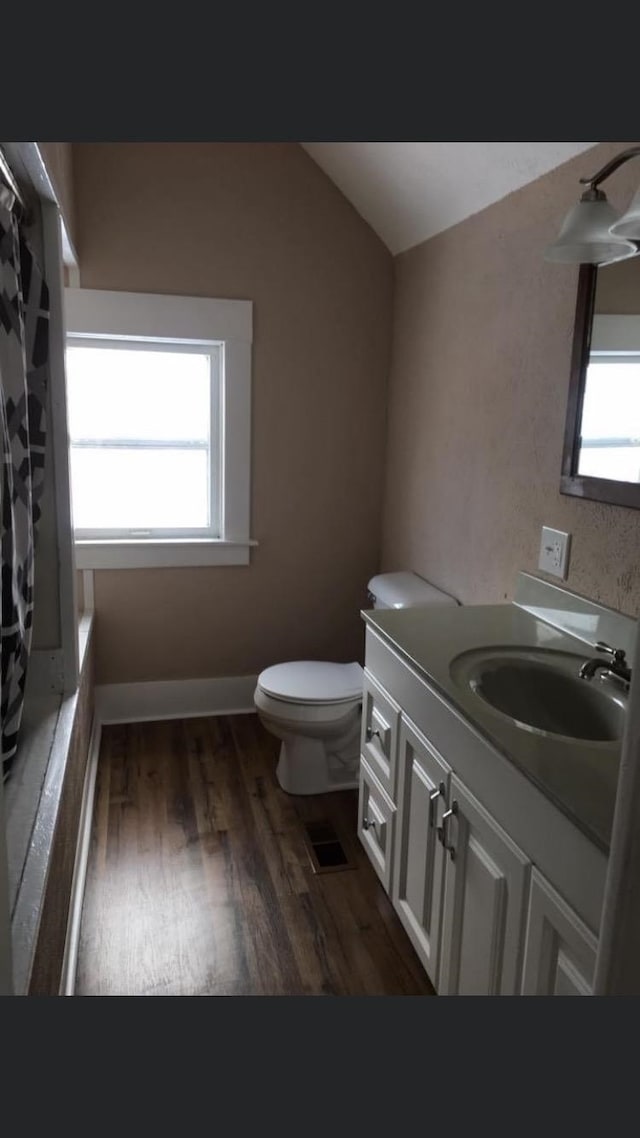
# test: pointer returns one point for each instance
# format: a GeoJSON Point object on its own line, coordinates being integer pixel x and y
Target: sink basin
{"type": "Point", "coordinates": [540, 690]}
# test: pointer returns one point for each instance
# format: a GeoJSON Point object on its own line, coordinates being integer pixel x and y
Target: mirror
{"type": "Point", "coordinates": [601, 457]}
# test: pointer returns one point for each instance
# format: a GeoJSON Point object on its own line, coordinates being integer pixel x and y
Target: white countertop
{"type": "Point", "coordinates": [579, 776]}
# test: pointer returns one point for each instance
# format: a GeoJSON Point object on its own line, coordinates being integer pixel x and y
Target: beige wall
{"type": "Point", "coordinates": [58, 158]}
{"type": "Point", "coordinates": [259, 222]}
{"type": "Point", "coordinates": [480, 371]}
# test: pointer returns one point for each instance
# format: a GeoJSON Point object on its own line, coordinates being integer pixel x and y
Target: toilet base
{"type": "Point", "coordinates": [306, 766]}
{"type": "Point", "coordinates": [320, 743]}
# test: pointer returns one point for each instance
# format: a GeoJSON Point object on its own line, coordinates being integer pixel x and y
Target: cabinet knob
{"type": "Point", "coordinates": [369, 824]}
{"type": "Point", "coordinates": [370, 733]}
{"type": "Point", "coordinates": [442, 831]}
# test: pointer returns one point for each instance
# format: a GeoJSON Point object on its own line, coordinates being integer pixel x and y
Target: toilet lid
{"type": "Point", "coordinates": [312, 681]}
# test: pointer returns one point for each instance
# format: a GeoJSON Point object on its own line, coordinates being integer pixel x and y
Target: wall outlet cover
{"type": "Point", "coordinates": [554, 552]}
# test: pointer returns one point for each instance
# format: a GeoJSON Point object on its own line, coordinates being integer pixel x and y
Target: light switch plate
{"type": "Point", "coordinates": [554, 552]}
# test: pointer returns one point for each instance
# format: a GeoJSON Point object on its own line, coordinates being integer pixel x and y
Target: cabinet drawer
{"type": "Point", "coordinates": [379, 741]}
{"type": "Point", "coordinates": [376, 823]}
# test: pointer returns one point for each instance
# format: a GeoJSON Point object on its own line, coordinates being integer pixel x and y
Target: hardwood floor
{"type": "Point", "coordinates": [199, 881]}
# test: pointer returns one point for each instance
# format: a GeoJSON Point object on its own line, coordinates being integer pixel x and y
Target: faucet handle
{"type": "Point", "coordinates": [617, 653]}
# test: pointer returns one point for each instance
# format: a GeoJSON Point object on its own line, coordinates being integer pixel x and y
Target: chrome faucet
{"type": "Point", "coordinates": [616, 665]}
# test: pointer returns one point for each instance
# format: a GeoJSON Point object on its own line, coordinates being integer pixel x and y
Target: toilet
{"type": "Point", "coordinates": [314, 707]}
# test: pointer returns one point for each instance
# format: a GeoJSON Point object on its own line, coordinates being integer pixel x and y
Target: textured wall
{"type": "Point", "coordinates": [258, 222]}
{"type": "Point", "coordinates": [480, 371]}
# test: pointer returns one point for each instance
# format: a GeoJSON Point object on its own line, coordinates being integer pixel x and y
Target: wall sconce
{"type": "Point", "coordinates": [592, 232]}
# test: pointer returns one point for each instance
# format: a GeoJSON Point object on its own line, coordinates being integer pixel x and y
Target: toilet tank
{"type": "Point", "coordinates": [405, 590]}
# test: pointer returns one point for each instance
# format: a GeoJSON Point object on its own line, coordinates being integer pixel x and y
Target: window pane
{"type": "Point", "coordinates": [116, 393]}
{"type": "Point", "coordinates": [619, 463]}
{"type": "Point", "coordinates": [122, 488]}
{"type": "Point", "coordinates": [610, 427]}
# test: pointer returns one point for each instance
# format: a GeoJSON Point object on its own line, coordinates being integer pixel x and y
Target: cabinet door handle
{"type": "Point", "coordinates": [371, 734]}
{"type": "Point", "coordinates": [433, 797]}
{"type": "Point", "coordinates": [369, 824]}
{"type": "Point", "coordinates": [442, 830]}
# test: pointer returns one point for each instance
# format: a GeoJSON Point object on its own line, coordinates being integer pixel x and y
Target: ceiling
{"type": "Point", "coordinates": [408, 191]}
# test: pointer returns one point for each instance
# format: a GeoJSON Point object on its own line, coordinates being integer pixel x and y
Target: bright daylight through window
{"type": "Point", "coordinates": [610, 432]}
{"type": "Point", "coordinates": [145, 434]}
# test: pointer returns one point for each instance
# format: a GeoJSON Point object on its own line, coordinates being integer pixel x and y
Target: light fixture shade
{"type": "Point", "coordinates": [585, 236]}
{"type": "Point", "coordinates": [629, 224]}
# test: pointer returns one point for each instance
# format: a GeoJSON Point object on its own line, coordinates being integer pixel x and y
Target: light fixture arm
{"type": "Point", "coordinates": [622, 157]}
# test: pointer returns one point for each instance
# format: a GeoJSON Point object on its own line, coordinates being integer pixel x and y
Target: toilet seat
{"type": "Point", "coordinates": [314, 682]}
{"type": "Point", "coordinates": [300, 716]}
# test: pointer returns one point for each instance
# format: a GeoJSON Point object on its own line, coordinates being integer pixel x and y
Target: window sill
{"type": "Point", "coordinates": [167, 553]}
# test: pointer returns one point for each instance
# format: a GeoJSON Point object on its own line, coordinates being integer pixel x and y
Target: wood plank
{"type": "Point", "coordinates": [199, 881]}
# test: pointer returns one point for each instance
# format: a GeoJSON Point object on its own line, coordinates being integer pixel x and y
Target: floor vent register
{"type": "Point", "coordinates": [326, 851]}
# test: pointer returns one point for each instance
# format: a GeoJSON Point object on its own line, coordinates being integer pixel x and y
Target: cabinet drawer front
{"type": "Point", "coordinates": [560, 951]}
{"type": "Point", "coordinates": [379, 742]}
{"type": "Point", "coordinates": [376, 823]}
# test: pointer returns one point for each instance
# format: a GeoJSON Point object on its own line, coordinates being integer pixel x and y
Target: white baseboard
{"type": "Point", "coordinates": [174, 699]}
{"type": "Point", "coordinates": [72, 939]}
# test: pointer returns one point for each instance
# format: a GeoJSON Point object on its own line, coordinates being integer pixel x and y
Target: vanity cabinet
{"type": "Point", "coordinates": [560, 950]}
{"type": "Point", "coordinates": [498, 891]}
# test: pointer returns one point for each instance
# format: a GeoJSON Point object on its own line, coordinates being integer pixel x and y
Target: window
{"type": "Point", "coordinates": [158, 400]}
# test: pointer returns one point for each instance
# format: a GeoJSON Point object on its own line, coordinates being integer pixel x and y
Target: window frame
{"type": "Point", "coordinates": [187, 323]}
{"type": "Point", "coordinates": [602, 330]}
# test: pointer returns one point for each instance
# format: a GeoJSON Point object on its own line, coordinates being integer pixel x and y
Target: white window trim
{"type": "Point", "coordinates": [188, 320]}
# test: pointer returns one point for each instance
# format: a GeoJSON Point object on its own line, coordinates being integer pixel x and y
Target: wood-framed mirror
{"type": "Point", "coordinates": [601, 457]}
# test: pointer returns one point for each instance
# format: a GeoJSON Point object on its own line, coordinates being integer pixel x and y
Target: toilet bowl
{"type": "Point", "coordinates": [314, 707]}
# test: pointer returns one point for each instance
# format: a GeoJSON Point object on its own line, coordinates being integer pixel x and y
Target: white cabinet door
{"type": "Point", "coordinates": [560, 951]}
{"type": "Point", "coordinates": [483, 913]}
{"type": "Point", "coordinates": [419, 857]}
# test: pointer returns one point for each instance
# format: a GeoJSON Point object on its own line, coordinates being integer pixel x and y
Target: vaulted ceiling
{"type": "Point", "coordinates": [409, 191]}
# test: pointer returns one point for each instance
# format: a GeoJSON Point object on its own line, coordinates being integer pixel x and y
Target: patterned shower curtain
{"type": "Point", "coordinates": [24, 367]}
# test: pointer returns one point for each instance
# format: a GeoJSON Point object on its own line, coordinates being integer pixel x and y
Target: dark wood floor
{"type": "Point", "coordinates": [199, 881]}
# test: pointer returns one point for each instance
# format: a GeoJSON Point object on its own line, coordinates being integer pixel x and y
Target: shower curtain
{"type": "Point", "coordinates": [24, 364]}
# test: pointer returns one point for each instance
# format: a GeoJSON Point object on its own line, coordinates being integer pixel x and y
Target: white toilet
{"type": "Point", "coordinates": [314, 707]}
